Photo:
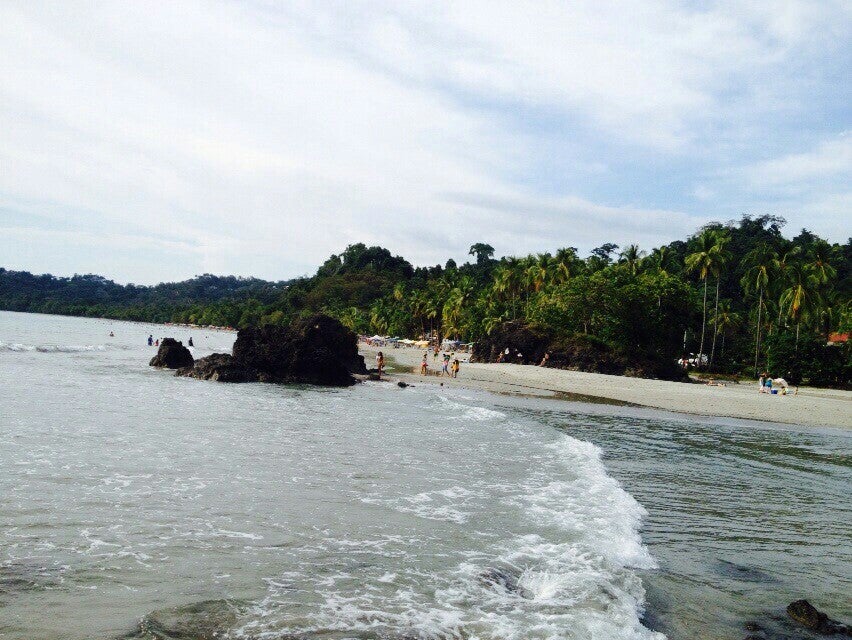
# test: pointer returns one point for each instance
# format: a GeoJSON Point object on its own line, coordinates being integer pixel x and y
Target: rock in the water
{"type": "Point", "coordinates": [172, 355]}
{"type": "Point", "coordinates": [402, 385]}
{"type": "Point", "coordinates": [218, 366]}
{"type": "Point", "coordinates": [316, 350]}
{"type": "Point", "coordinates": [198, 621]}
{"type": "Point", "coordinates": [809, 616]}
{"type": "Point", "coordinates": [499, 578]}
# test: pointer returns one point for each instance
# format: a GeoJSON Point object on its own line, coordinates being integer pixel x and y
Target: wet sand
{"type": "Point", "coordinates": [811, 407]}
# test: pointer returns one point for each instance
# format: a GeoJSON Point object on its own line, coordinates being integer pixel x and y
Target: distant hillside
{"type": "Point", "coordinates": [93, 295]}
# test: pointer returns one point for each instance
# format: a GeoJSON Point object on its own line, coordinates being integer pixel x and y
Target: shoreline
{"type": "Point", "coordinates": [812, 407]}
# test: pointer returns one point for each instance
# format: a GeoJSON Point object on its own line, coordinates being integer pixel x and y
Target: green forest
{"type": "Point", "coordinates": [742, 293]}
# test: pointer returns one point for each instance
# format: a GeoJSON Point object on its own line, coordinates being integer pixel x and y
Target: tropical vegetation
{"type": "Point", "coordinates": [740, 293]}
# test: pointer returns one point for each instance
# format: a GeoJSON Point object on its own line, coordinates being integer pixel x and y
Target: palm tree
{"type": "Point", "coordinates": [703, 260]}
{"type": "Point", "coordinates": [632, 256]}
{"type": "Point", "coordinates": [726, 321]}
{"type": "Point", "coordinates": [660, 259]}
{"type": "Point", "coordinates": [536, 272]}
{"type": "Point", "coordinates": [379, 316]}
{"type": "Point", "coordinates": [563, 265]}
{"type": "Point", "coordinates": [761, 262]}
{"type": "Point", "coordinates": [782, 266]}
{"type": "Point", "coordinates": [456, 304]}
{"type": "Point", "coordinates": [819, 263]}
{"type": "Point", "coordinates": [801, 299]}
{"type": "Point", "coordinates": [721, 257]}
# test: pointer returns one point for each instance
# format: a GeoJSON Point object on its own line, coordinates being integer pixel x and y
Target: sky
{"type": "Point", "coordinates": [153, 141]}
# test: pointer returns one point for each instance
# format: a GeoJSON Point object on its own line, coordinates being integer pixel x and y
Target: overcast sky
{"type": "Point", "coordinates": [154, 141]}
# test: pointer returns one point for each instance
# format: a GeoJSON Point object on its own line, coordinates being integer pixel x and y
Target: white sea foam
{"type": "Point", "coordinates": [445, 504]}
{"type": "Point", "coordinates": [51, 348]}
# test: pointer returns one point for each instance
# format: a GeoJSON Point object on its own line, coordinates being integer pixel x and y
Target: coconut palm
{"type": "Point", "coordinates": [801, 299]}
{"type": "Point", "coordinates": [563, 265]}
{"type": "Point", "coordinates": [507, 282]}
{"type": "Point", "coordinates": [721, 257]}
{"type": "Point", "coordinates": [704, 260]}
{"type": "Point", "coordinates": [660, 259]}
{"type": "Point", "coordinates": [632, 257]}
{"type": "Point", "coordinates": [536, 272]}
{"type": "Point", "coordinates": [819, 263]}
{"type": "Point", "coordinates": [457, 302]}
{"type": "Point", "coordinates": [725, 321]}
{"type": "Point", "coordinates": [782, 267]}
{"type": "Point", "coordinates": [760, 262]}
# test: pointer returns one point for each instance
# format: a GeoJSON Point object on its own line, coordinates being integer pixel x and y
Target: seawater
{"type": "Point", "coordinates": [262, 511]}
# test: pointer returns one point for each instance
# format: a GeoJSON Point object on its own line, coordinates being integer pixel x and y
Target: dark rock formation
{"type": "Point", "coordinates": [499, 578]}
{"type": "Point", "coordinates": [519, 343]}
{"type": "Point", "coordinates": [810, 617]}
{"type": "Point", "coordinates": [198, 621]}
{"type": "Point", "coordinates": [172, 355]}
{"type": "Point", "coordinates": [219, 366]}
{"type": "Point", "coordinates": [315, 350]}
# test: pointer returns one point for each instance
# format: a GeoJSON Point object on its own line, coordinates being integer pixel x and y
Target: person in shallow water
{"type": "Point", "coordinates": [150, 340]}
{"type": "Point", "coordinates": [380, 362]}
{"type": "Point", "coordinates": [157, 342]}
{"type": "Point", "coordinates": [190, 342]}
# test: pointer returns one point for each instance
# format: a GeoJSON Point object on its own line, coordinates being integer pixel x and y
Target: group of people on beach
{"type": "Point", "coordinates": [450, 365]}
{"type": "Point", "coordinates": [766, 383]}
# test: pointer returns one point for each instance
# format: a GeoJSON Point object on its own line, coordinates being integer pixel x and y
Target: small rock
{"type": "Point", "coordinates": [401, 384]}
{"type": "Point", "coordinates": [500, 578]}
{"type": "Point", "coordinates": [809, 616]}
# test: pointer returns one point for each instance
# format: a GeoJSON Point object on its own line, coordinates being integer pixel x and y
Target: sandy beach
{"type": "Point", "coordinates": [811, 407]}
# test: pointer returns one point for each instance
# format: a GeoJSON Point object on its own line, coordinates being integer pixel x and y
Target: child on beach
{"type": "Point", "coordinates": [423, 365]}
{"type": "Point", "coordinates": [445, 365]}
{"type": "Point", "coordinates": [380, 362]}
{"type": "Point", "coordinates": [455, 368]}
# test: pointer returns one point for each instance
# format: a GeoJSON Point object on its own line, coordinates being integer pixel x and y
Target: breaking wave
{"type": "Point", "coordinates": [54, 348]}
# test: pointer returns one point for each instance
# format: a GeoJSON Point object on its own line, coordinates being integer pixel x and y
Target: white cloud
{"type": "Point", "coordinates": [829, 160]}
{"type": "Point", "coordinates": [261, 137]}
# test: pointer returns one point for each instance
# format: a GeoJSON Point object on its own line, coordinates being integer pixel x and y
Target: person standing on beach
{"type": "Point", "coordinates": [423, 365]}
{"type": "Point", "coordinates": [445, 365]}
{"type": "Point", "coordinates": [455, 368]}
{"type": "Point", "coordinates": [380, 362]}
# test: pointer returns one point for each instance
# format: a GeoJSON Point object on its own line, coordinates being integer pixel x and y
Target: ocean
{"type": "Point", "coordinates": [136, 503]}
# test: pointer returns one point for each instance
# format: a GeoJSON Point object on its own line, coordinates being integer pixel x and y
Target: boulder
{"type": "Point", "coordinates": [810, 617]}
{"type": "Point", "coordinates": [315, 350]}
{"type": "Point", "coordinates": [520, 343]}
{"type": "Point", "coordinates": [172, 355]}
{"type": "Point", "coordinates": [218, 366]}
{"type": "Point", "coordinates": [502, 579]}
{"type": "Point", "coordinates": [197, 621]}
